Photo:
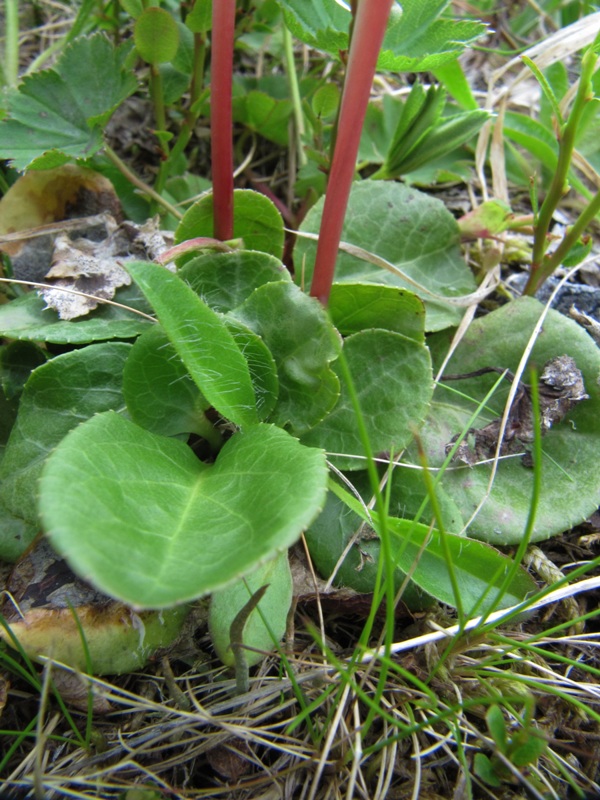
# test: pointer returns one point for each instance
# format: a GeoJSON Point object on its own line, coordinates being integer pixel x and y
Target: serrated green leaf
{"type": "Point", "coordinates": [411, 230]}
{"type": "Point", "coordinates": [392, 377]}
{"type": "Point", "coordinates": [202, 341]}
{"type": "Point", "coordinates": [62, 110]}
{"type": "Point", "coordinates": [112, 492]}
{"type": "Point", "coordinates": [416, 40]}
{"type": "Point", "coordinates": [58, 396]}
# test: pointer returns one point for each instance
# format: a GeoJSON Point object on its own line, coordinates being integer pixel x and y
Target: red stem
{"type": "Point", "coordinates": [221, 125]}
{"type": "Point", "coordinates": [367, 36]}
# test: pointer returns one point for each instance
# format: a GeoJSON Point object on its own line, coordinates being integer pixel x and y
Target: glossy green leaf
{"type": "Point", "coordinates": [255, 220]}
{"type": "Point", "coordinates": [59, 113]}
{"type": "Point", "coordinates": [225, 280]}
{"type": "Point", "coordinates": [303, 343]}
{"type": "Point", "coordinates": [274, 605]}
{"type": "Point", "coordinates": [58, 396]}
{"type": "Point", "coordinates": [411, 230]}
{"type": "Point", "coordinates": [416, 39]}
{"type": "Point", "coordinates": [393, 381]}
{"type": "Point", "coordinates": [354, 307]}
{"type": "Point", "coordinates": [201, 340]}
{"type": "Point", "coordinates": [156, 36]}
{"type": "Point", "coordinates": [570, 486]}
{"type": "Point", "coordinates": [113, 494]}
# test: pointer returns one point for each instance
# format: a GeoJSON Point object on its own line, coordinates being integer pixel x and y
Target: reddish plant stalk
{"type": "Point", "coordinates": [221, 123]}
{"type": "Point", "coordinates": [367, 35]}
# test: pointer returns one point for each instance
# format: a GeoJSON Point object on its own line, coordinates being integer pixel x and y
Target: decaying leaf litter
{"type": "Point", "coordinates": [214, 743]}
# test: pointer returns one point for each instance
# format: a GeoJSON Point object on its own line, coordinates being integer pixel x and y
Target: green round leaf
{"type": "Point", "coordinates": [303, 343]}
{"type": "Point", "coordinates": [570, 489]}
{"type": "Point", "coordinates": [225, 280]}
{"type": "Point", "coordinates": [140, 517]}
{"type": "Point", "coordinates": [392, 377]}
{"type": "Point", "coordinates": [255, 220]}
{"type": "Point", "coordinates": [156, 35]}
{"type": "Point", "coordinates": [58, 396]}
{"type": "Point", "coordinates": [411, 230]}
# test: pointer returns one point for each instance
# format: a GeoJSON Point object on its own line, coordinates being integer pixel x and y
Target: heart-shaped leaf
{"type": "Point", "coordinates": [148, 523]}
{"type": "Point", "coordinates": [202, 341]}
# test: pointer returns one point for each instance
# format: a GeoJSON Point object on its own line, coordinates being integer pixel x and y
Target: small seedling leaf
{"type": "Point", "coordinates": [148, 523]}
{"type": "Point", "coordinates": [497, 727]}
